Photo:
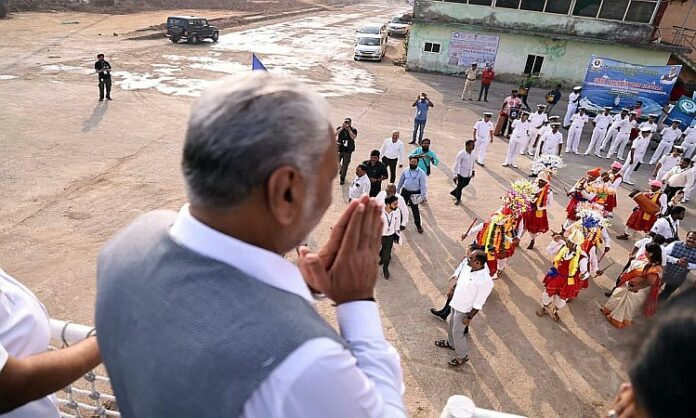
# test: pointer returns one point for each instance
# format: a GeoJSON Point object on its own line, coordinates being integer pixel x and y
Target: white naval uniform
{"type": "Point", "coordinates": [612, 132]}
{"type": "Point", "coordinates": [578, 122]}
{"type": "Point", "coordinates": [689, 142]}
{"type": "Point", "coordinates": [550, 141]}
{"type": "Point", "coordinates": [573, 102]}
{"type": "Point", "coordinates": [621, 139]}
{"type": "Point", "coordinates": [669, 135]}
{"type": "Point", "coordinates": [639, 147]}
{"type": "Point", "coordinates": [536, 122]}
{"type": "Point", "coordinates": [535, 150]}
{"type": "Point", "coordinates": [667, 162]}
{"type": "Point", "coordinates": [653, 129]}
{"type": "Point", "coordinates": [518, 140]}
{"type": "Point", "coordinates": [599, 132]}
{"type": "Point", "coordinates": [483, 138]}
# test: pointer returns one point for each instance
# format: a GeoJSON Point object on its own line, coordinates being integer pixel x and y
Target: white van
{"type": "Point", "coordinates": [370, 47]}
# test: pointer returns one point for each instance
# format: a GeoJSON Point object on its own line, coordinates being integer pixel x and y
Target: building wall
{"type": "Point", "coordinates": [564, 60]}
{"type": "Point", "coordinates": [679, 14]}
{"type": "Point", "coordinates": [529, 21]}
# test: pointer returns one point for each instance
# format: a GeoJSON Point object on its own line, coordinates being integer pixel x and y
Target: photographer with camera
{"type": "Point", "coordinates": [103, 68]}
{"type": "Point", "coordinates": [422, 105]}
{"type": "Point", "coordinates": [345, 140]}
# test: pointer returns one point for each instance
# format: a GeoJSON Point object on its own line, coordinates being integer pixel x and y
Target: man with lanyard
{"type": "Point", "coordinates": [361, 184]}
{"type": "Point", "coordinates": [345, 140]}
{"type": "Point", "coordinates": [390, 190]}
{"type": "Point", "coordinates": [678, 178]}
{"type": "Point", "coordinates": [638, 149]}
{"type": "Point", "coordinates": [487, 77]}
{"type": "Point", "coordinates": [483, 135]}
{"type": "Point", "coordinates": [463, 170]}
{"type": "Point", "coordinates": [392, 152]}
{"type": "Point", "coordinates": [103, 68]}
{"type": "Point", "coordinates": [376, 172]}
{"type": "Point", "coordinates": [536, 122]}
{"type": "Point", "coordinates": [573, 103]}
{"type": "Point", "coordinates": [669, 135]}
{"type": "Point", "coordinates": [681, 258]}
{"type": "Point", "coordinates": [601, 123]}
{"type": "Point", "coordinates": [474, 285]}
{"type": "Point", "coordinates": [391, 222]}
{"type": "Point", "coordinates": [668, 226]}
{"type": "Point", "coordinates": [613, 130]}
{"type": "Point", "coordinates": [689, 142]}
{"type": "Point", "coordinates": [639, 220]}
{"type": "Point", "coordinates": [577, 124]}
{"type": "Point", "coordinates": [414, 188]}
{"type": "Point", "coordinates": [422, 105]}
{"type": "Point", "coordinates": [518, 140]}
{"type": "Point", "coordinates": [425, 156]}
{"type": "Point", "coordinates": [470, 76]}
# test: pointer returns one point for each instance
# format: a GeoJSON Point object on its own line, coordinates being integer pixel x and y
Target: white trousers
{"type": "Point", "coordinates": [546, 300]}
{"type": "Point", "coordinates": [572, 108]}
{"type": "Point", "coordinates": [530, 141]}
{"type": "Point", "coordinates": [574, 134]}
{"type": "Point", "coordinates": [665, 147]}
{"type": "Point", "coordinates": [611, 134]}
{"type": "Point", "coordinates": [515, 147]}
{"type": "Point", "coordinates": [618, 144]}
{"type": "Point", "coordinates": [627, 169]}
{"type": "Point", "coordinates": [689, 148]}
{"type": "Point", "coordinates": [598, 135]}
{"type": "Point", "coordinates": [481, 148]}
{"type": "Point", "coordinates": [468, 88]}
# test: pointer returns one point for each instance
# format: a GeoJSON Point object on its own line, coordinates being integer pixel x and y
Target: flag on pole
{"type": "Point", "coordinates": [256, 64]}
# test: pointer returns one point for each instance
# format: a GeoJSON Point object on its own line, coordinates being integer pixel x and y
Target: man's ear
{"type": "Point", "coordinates": [285, 193]}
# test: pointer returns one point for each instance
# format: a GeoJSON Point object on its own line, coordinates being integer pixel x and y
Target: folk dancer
{"type": "Point", "coordinates": [641, 220]}
{"type": "Point", "coordinates": [582, 191]}
{"type": "Point", "coordinates": [518, 140]}
{"type": "Point", "coordinates": [601, 123]}
{"type": "Point", "coordinates": [483, 135]}
{"type": "Point", "coordinates": [638, 149]}
{"type": "Point", "coordinates": [536, 121]}
{"type": "Point", "coordinates": [499, 236]}
{"type": "Point", "coordinates": [638, 289]}
{"type": "Point", "coordinates": [596, 242]}
{"type": "Point", "coordinates": [613, 130]}
{"type": "Point", "coordinates": [621, 140]}
{"type": "Point", "coordinates": [563, 281]}
{"type": "Point", "coordinates": [536, 219]}
{"type": "Point", "coordinates": [577, 124]}
{"type": "Point", "coordinates": [669, 135]}
{"type": "Point", "coordinates": [573, 103]}
{"type": "Point", "coordinates": [612, 179]}
{"type": "Point", "coordinates": [534, 142]}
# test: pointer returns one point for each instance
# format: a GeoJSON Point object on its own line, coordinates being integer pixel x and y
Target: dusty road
{"type": "Point", "coordinates": [74, 171]}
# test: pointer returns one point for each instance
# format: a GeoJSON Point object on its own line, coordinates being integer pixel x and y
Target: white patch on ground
{"type": "Point", "coordinates": [60, 68]}
{"type": "Point", "coordinates": [7, 77]}
{"type": "Point", "coordinates": [166, 69]}
{"type": "Point", "coordinates": [164, 84]}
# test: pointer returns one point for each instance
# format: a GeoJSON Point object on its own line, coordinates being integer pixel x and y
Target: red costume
{"type": "Point", "coordinates": [558, 282]}
{"type": "Point", "coordinates": [641, 221]}
{"type": "Point", "coordinates": [536, 221]}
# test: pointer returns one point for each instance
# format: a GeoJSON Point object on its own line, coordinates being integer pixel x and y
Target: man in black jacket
{"type": "Point", "coordinates": [103, 68]}
{"type": "Point", "coordinates": [345, 139]}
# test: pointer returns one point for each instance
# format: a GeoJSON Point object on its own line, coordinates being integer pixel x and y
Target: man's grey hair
{"type": "Point", "coordinates": [245, 127]}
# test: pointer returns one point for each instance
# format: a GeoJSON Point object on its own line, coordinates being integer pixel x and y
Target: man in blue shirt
{"type": "Point", "coordinates": [425, 156]}
{"type": "Point", "coordinates": [422, 105]}
{"type": "Point", "coordinates": [413, 183]}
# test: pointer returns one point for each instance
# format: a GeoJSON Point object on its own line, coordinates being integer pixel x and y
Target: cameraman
{"type": "Point", "coordinates": [345, 139]}
{"type": "Point", "coordinates": [103, 68]}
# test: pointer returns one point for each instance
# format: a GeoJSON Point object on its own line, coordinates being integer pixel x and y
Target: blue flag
{"type": "Point", "coordinates": [256, 64]}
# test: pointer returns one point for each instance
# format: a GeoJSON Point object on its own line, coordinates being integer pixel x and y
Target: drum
{"type": "Point", "coordinates": [646, 205]}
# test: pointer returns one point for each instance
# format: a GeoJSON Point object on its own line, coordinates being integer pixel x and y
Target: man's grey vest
{"type": "Point", "coordinates": [675, 274]}
{"type": "Point", "coordinates": [183, 335]}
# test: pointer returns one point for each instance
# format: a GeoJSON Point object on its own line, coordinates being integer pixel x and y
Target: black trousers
{"type": "Point", "coordinates": [670, 287]}
{"type": "Point", "coordinates": [385, 252]}
{"type": "Point", "coordinates": [462, 182]}
{"type": "Point", "coordinates": [105, 82]}
{"type": "Point", "coordinates": [671, 191]}
{"type": "Point", "coordinates": [484, 90]}
{"type": "Point", "coordinates": [391, 166]}
{"type": "Point", "coordinates": [375, 188]}
{"type": "Point", "coordinates": [344, 160]}
{"type": "Point", "coordinates": [524, 99]}
{"type": "Point", "coordinates": [406, 194]}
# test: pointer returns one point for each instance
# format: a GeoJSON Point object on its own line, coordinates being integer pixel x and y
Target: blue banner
{"type": "Point", "coordinates": [620, 85]}
{"type": "Point", "coordinates": [684, 110]}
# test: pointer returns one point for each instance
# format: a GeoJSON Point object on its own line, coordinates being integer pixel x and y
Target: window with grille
{"type": "Point", "coordinates": [533, 65]}
{"type": "Point", "coordinates": [431, 47]}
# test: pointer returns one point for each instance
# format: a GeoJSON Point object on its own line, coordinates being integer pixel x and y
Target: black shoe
{"type": "Point", "coordinates": [342, 182]}
{"type": "Point", "coordinates": [101, 99]}
{"type": "Point", "coordinates": [420, 229]}
{"type": "Point", "coordinates": [109, 98]}
{"type": "Point", "coordinates": [456, 202]}
{"type": "Point", "coordinates": [439, 314]}
{"type": "Point", "coordinates": [607, 294]}
{"type": "Point", "coordinates": [381, 262]}
{"type": "Point", "coordinates": [412, 142]}
{"type": "Point", "coordinates": [386, 274]}
{"type": "Point", "coordinates": [403, 228]}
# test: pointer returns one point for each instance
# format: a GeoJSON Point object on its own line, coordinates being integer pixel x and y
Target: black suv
{"type": "Point", "coordinates": [193, 29]}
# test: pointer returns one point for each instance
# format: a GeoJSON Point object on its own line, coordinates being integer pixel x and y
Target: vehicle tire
{"type": "Point", "coordinates": [215, 36]}
{"type": "Point", "coordinates": [174, 39]}
{"type": "Point", "coordinates": [193, 39]}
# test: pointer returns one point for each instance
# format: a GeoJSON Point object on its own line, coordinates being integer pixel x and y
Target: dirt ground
{"type": "Point", "coordinates": [74, 171]}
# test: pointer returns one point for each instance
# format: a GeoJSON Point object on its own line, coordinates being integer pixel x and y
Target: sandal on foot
{"type": "Point", "coordinates": [456, 362]}
{"type": "Point", "coordinates": [443, 344]}
{"type": "Point", "coordinates": [541, 312]}
{"type": "Point", "coordinates": [555, 317]}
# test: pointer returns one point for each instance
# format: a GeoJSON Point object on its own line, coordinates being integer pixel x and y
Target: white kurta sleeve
{"type": "Point", "coordinates": [476, 229]}
{"type": "Point", "coordinates": [554, 247]}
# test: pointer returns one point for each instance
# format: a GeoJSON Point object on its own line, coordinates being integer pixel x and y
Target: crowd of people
{"type": "Point", "coordinates": [199, 313]}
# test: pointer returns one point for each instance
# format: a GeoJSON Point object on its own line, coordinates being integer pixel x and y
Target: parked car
{"type": "Point", "coordinates": [372, 29]}
{"type": "Point", "coordinates": [398, 26]}
{"type": "Point", "coordinates": [370, 47]}
{"type": "Point", "coordinates": [191, 28]}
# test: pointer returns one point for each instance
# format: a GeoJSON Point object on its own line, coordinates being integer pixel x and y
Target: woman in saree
{"type": "Point", "coordinates": [638, 289]}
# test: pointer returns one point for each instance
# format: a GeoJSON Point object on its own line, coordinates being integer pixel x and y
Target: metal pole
{"type": "Point", "coordinates": [686, 16]}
